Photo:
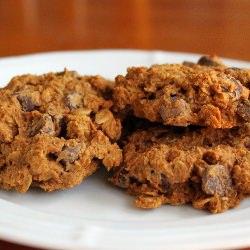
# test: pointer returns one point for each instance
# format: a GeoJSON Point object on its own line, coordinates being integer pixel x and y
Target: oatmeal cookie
{"type": "Point", "coordinates": [206, 167]}
{"type": "Point", "coordinates": [206, 94]}
{"type": "Point", "coordinates": [55, 130]}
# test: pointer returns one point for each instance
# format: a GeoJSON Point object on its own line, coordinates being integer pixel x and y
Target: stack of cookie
{"type": "Point", "coordinates": [196, 148]}
{"type": "Point", "coordinates": [169, 134]}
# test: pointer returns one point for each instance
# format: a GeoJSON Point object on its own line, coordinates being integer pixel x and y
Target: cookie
{"type": "Point", "coordinates": [55, 130]}
{"type": "Point", "coordinates": [205, 94]}
{"type": "Point", "coordinates": [208, 168]}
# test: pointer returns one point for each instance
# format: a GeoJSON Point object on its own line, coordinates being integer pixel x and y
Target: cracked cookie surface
{"type": "Point", "coordinates": [55, 130]}
{"type": "Point", "coordinates": [208, 168]}
{"type": "Point", "coordinates": [207, 94]}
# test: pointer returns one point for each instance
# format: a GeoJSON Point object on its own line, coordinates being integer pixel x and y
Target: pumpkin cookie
{"type": "Point", "coordinates": [55, 130]}
{"type": "Point", "coordinates": [206, 94]}
{"type": "Point", "coordinates": [208, 168]}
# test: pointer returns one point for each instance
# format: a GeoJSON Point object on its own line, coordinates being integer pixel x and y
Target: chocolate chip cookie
{"type": "Point", "coordinates": [206, 94]}
{"type": "Point", "coordinates": [206, 167]}
{"type": "Point", "coordinates": [55, 130]}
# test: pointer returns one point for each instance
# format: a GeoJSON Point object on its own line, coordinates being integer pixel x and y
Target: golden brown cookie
{"type": "Point", "coordinates": [55, 130]}
{"type": "Point", "coordinates": [208, 168]}
{"type": "Point", "coordinates": [206, 94]}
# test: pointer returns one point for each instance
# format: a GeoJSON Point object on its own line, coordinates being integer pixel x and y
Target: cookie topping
{"type": "Point", "coordinates": [26, 102]}
{"type": "Point", "coordinates": [209, 61]}
{"type": "Point", "coordinates": [69, 154]}
{"type": "Point", "coordinates": [175, 108]}
{"type": "Point", "coordinates": [216, 180]}
{"type": "Point", "coordinates": [42, 125]}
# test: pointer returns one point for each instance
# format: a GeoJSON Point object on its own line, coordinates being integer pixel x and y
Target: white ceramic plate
{"type": "Point", "coordinates": [96, 215]}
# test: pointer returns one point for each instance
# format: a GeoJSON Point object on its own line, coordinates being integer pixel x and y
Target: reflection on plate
{"type": "Point", "coordinates": [96, 215]}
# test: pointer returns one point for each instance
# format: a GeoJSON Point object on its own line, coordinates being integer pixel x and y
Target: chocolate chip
{"type": "Point", "coordinates": [207, 61]}
{"type": "Point", "coordinates": [69, 154]}
{"type": "Point", "coordinates": [60, 125]}
{"type": "Point", "coordinates": [177, 107]}
{"type": "Point", "coordinates": [243, 110]}
{"type": "Point", "coordinates": [73, 100]}
{"type": "Point", "coordinates": [26, 103]}
{"type": "Point", "coordinates": [42, 125]}
{"type": "Point", "coordinates": [216, 180]}
{"type": "Point", "coordinates": [238, 88]}
{"type": "Point", "coordinates": [164, 182]}
{"type": "Point", "coordinates": [63, 127]}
